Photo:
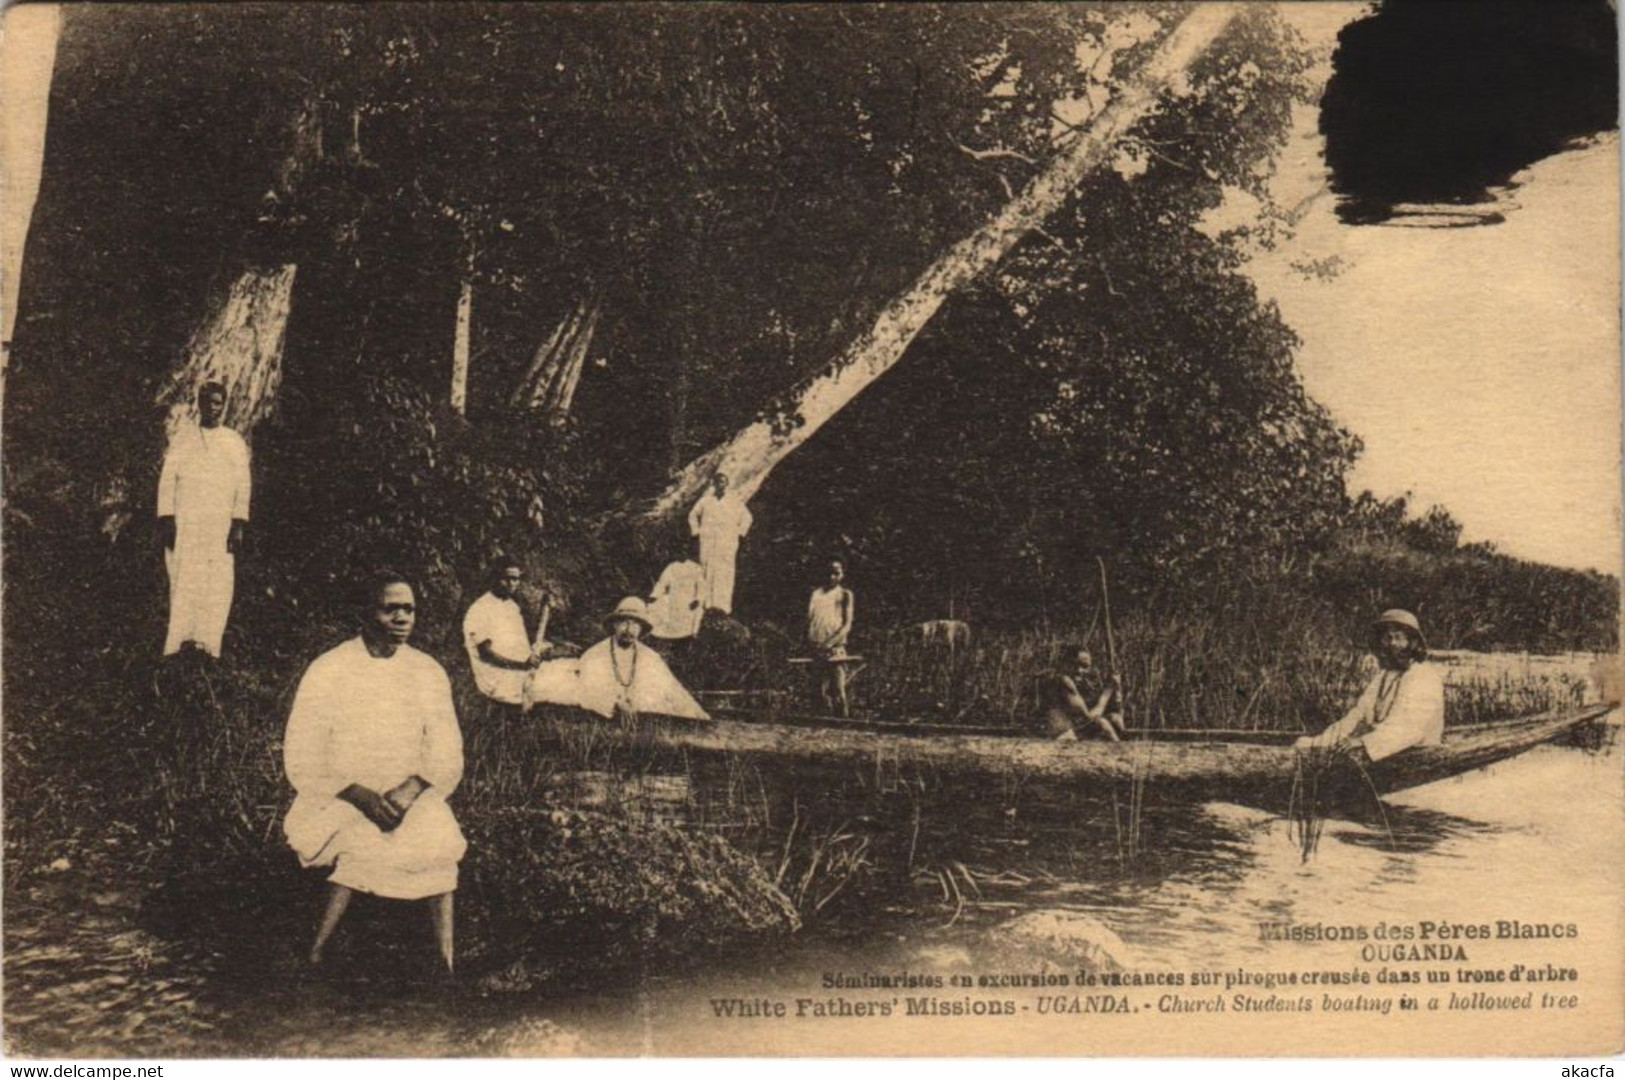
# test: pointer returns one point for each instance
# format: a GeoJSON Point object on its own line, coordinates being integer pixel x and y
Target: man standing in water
{"type": "Point", "coordinates": [203, 495]}
{"type": "Point", "coordinates": [719, 521]}
{"type": "Point", "coordinates": [372, 751]}
{"type": "Point", "coordinates": [1401, 707]}
{"type": "Point", "coordinates": [1063, 701]}
{"type": "Point", "coordinates": [829, 623]}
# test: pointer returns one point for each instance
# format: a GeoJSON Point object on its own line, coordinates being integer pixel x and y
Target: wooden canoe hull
{"type": "Point", "coordinates": [1254, 768]}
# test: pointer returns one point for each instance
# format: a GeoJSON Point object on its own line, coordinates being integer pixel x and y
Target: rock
{"type": "Point", "coordinates": [1062, 938]}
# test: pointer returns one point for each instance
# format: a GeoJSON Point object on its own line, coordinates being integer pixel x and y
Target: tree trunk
{"type": "Point", "coordinates": [549, 384]}
{"type": "Point", "coordinates": [564, 389]}
{"type": "Point", "coordinates": [750, 455]}
{"type": "Point", "coordinates": [240, 345]}
{"type": "Point", "coordinates": [240, 342]}
{"type": "Point", "coordinates": [27, 57]}
{"type": "Point", "coordinates": [459, 350]}
{"type": "Point", "coordinates": [533, 386]}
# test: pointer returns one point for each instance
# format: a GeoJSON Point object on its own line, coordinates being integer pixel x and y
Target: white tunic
{"type": "Point", "coordinates": [361, 719]}
{"type": "Point", "coordinates": [829, 618]}
{"type": "Point", "coordinates": [719, 523]}
{"type": "Point", "coordinates": [499, 621]}
{"type": "Point", "coordinates": [677, 605]}
{"type": "Point", "coordinates": [204, 486]}
{"type": "Point", "coordinates": [1396, 711]}
{"type": "Point", "coordinates": [636, 679]}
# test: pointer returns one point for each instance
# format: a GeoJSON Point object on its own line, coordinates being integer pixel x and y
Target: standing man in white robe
{"type": "Point", "coordinates": [373, 750]}
{"type": "Point", "coordinates": [719, 521]}
{"type": "Point", "coordinates": [1401, 707]}
{"type": "Point", "coordinates": [203, 495]}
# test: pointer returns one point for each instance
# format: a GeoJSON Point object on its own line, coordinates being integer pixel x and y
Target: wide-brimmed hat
{"type": "Point", "coordinates": [631, 608]}
{"type": "Point", "coordinates": [1400, 617]}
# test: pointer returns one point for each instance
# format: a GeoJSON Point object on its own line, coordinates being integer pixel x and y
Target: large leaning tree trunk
{"type": "Point", "coordinates": [750, 455]}
{"type": "Point", "coordinates": [239, 343]}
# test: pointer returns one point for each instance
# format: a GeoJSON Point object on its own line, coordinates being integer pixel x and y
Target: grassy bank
{"type": "Point", "coordinates": [179, 793]}
{"type": "Point", "coordinates": [170, 776]}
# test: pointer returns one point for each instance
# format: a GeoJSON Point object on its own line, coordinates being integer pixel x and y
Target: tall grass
{"type": "Point", "coordinates": [1213, 668]}
{"type": "Point", "coordinates": [576, 845]}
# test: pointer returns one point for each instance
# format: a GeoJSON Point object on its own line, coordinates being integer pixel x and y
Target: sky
{"type": "Point", "coordinates": [1480, 366]}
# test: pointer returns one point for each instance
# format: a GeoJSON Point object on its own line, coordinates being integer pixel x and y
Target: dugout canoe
{"type": "Point", "coordinates": [1259, 768]}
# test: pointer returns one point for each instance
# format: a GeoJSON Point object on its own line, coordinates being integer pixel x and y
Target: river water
{"type": "Point", "coordinates": [1008, 884]}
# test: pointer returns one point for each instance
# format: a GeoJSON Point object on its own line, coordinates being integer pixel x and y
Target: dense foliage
{"type": "Point", "coordinates": [735, 189]}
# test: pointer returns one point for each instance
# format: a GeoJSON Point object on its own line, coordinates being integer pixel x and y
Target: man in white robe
{"type": "Point", "coordinates": [499, 649]}
{"type": "Point", "coordinates": [203, 495]}
{"type": "Point", "coordinates": [622, 677]}
{"type": "Point", "coordinates": [1401, 707]}
{"type": "Point", "coordinates": [719, 521]}
{"type": "Point", "coordinates": [677, 605]}
{"type": "Point", "coordinates": [373, 750]}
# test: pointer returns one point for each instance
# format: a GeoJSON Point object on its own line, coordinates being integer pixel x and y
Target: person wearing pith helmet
{"type": "Point", "coordinates": [622, 677]}
{"type": "Point", "coordinates": [1403, 704]}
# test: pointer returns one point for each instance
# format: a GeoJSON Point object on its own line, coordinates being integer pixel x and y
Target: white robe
{"type": "Point", "coordinates": [719, 523]}
{"type": "Point", "coordinates": [1394, 712]}
{"type": "Point", "coordinates": [361, 719]}
{"type": "Point", "coordinates": [205, 486]}
{"type": "Point", "coordinates": [829, 619]}
{"type": "Point", "coordinates": [499, 621]}
{"type": "Point", "coordinates": [554, 682]}
{"type": "Point", "coordinates": [637, 679]}
{"type": "Point", "coordinates": [677, 605]}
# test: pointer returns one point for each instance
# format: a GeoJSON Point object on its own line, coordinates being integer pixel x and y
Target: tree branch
{"type": "Point", "coordinates": [996, 152]}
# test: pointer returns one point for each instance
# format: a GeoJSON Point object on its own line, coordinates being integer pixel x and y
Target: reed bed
{"type": "Point", "coordinates": [1196, 673]}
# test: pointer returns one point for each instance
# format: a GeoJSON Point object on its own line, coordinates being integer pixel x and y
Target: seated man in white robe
{"type": "Point", "coordinates": [1401, 707]}
{"type": "Point", "coordinates": [373, 750]}
{"type": "Point", "coordinates": [622, 677]}
{"type": "Point", "coordinates": [499, 650]}
{"type": "Point", "coordinates": [677, 605]}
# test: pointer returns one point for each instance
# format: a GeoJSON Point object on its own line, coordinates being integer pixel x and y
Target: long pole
{"type": "Point", "coordinates": [541, 626]}
{"type": "Point", "coordinates": [1106, 606]}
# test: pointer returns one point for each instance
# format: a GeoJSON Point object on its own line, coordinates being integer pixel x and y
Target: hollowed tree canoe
{"type": "Point", "coordinates": [1249, 767]}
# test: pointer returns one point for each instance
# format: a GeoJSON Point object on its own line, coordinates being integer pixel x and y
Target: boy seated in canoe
{"type": "Point", "coordinates": [1401, 707]}
{"type": "Point", "coordinates": [1063, 700]}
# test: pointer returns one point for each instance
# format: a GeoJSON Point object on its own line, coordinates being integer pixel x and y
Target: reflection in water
{"type": "Point", "coordinates": [1002, 877]}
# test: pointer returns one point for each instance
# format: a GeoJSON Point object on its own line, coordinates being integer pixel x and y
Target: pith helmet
{"type": "Point", "coordinates": [631, 608]}
{"type": "Point", "coordinates": [1400, 617]}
